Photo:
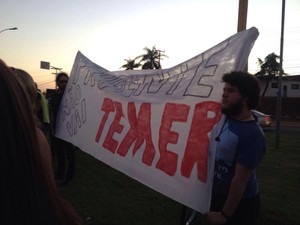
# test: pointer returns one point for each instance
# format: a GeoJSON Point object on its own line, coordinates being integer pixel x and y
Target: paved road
{"type": "Point", "coordinates": [285, 126]}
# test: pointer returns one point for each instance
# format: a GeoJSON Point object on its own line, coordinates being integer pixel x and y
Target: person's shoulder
{"type": "Point", "coordinates": [53, 97]}
{"type": "Point", "coordinates": [38, 95]}
{"type": "Point", "coordinates": [253, 132]}
{"type": "Point", "coordinates": [40, 135]}
{"type": "Point", "coordinates": [43, 144]}
{"type": "Point", "coordinates": [245, 128]}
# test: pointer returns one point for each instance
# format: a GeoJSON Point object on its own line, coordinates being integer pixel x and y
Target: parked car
{"type": "Point", "coordinates": [263, 119]}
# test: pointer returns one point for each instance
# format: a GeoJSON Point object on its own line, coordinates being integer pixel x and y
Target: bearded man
{"type": "Point", "coordinates": [240, 147]}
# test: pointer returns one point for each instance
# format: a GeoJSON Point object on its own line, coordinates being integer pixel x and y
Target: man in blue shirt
{"type": "Point", "coordinates": [240, 147]}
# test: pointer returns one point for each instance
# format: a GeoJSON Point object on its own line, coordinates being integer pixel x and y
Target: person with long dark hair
{"type": "Point", "coordinates": [28, 191]}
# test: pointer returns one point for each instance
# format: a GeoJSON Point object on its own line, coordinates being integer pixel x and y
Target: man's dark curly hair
{"type": "Point", "coordinates": [247, 84]}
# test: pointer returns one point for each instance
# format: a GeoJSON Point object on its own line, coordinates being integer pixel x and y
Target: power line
{"type": "Point", "coordinates": [46, 83]}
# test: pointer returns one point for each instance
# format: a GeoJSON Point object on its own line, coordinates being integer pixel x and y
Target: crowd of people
{"type": "Point", "coordinates": [29, 193]}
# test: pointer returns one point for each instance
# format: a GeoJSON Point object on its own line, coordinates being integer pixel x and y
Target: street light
{"type": "Point", "coordinates": [11, 28]}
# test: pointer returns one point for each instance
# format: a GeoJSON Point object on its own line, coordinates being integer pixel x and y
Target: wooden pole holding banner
{"type": "Point", "coordinates": [242, 19]}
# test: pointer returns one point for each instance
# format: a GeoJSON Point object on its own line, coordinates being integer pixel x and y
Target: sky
{"type": "Point", "coordinates": [107, 32]}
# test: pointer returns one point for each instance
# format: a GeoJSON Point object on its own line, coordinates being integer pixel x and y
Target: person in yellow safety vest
{"type": "Point", "coordinates": [42, 112]}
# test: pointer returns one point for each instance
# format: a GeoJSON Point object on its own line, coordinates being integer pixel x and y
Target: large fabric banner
{"type": "Point", "coordinates": [154, 125]}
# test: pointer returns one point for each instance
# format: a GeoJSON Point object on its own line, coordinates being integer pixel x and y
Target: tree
{"type": "Point", "coordinates": [151, 60]}
{"type": "Point", "coordinates": [131, 64]}
{"type": "Point", "coordinates": [269, 68]}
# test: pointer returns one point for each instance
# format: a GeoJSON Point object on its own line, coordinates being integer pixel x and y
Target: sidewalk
{"type": "Point", "coordinates": [288, 123]}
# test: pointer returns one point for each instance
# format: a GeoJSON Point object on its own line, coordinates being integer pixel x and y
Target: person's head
{"type": "Point", "coordinates": [15, 99]}
{"type": "Point", "coordinates": [20, 172]}
{"type": "Point", "coordinates": [241, 90]}
{"type": "Point", "coordinates": [27, 192]}
{"type": "Point", "coordinates": [61, 80]}
{"type": "Point", "coordinates": [27, 81]}
{"type": "Point", "coordinates": [30, 87]}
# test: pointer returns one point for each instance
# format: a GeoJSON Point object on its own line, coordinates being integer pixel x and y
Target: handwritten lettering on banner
{"type": "Point", "coordinates": [154, 125]}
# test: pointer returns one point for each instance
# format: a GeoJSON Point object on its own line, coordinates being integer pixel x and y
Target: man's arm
{"type": "Point", "coordinates": [236, 191]}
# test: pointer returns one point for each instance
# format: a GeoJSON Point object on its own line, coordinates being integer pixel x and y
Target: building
{"type": "Point", "coordinates": [290, 86]}
{"type": "Point", "coordinates": [290, 101]}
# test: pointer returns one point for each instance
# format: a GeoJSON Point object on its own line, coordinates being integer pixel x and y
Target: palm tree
{"type": "Point", "coordinates": [151, 60]}
{"type": "Point", "coordinates": [269, 68]}
{"type": "Point", "coordinates": [131, 64]}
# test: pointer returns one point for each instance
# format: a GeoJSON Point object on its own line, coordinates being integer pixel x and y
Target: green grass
{"type": "Point", "coordinates": [279, 177]}
{"type": "Point", "coordinates": [102, 195]}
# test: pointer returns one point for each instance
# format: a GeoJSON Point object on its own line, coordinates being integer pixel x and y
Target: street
{"type": "Point", "coordinates": [285, 126]}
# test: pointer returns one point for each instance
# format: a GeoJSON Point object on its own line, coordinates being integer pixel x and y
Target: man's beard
{"type": "Point", "coordinates": [234, 109]}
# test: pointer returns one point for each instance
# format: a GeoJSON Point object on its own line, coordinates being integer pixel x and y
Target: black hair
{"type": "Point", "coordinates": [247, 84]}
{"type": "Point", "coordinates": [61, 74]}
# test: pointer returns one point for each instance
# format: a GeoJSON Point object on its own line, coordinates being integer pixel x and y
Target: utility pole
{"type": "Point", "coordinates": [46, 65]}
{"type": "Point", "coordinates": [279, 92]}
{"type": "Point", "coordinates": [56, 70]}
{"type": "Point", "coordinates": [242, 20]}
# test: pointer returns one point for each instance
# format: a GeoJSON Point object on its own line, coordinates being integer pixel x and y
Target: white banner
{"type": "Point", "coordinates": [154, 125]}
